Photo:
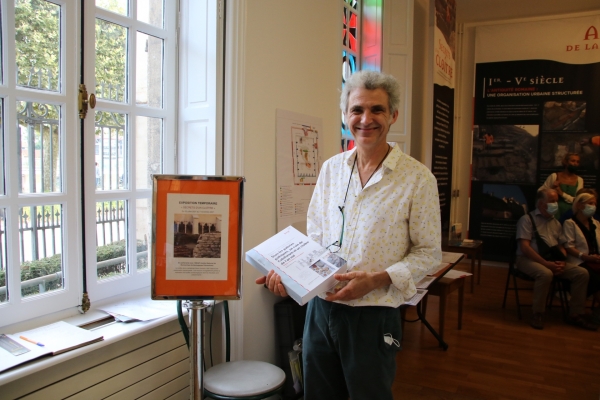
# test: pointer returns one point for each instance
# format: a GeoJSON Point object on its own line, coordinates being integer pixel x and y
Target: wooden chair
{"type": "Point", "coordinates": [442, 288]}
{"type": "Point", "coordinates": [241, 380]}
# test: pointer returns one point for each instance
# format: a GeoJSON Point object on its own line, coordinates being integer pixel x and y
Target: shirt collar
{"type": "Point", "coordinates": [390, 162]}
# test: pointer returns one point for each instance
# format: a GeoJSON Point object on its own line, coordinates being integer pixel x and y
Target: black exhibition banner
{"type": "Point", "coordinates": [444, 38]}
{"type": "Point", "coordinates": [529, 114]}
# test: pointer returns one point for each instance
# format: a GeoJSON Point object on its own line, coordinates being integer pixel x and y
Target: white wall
{"type": "Point", "coordinates": [422, 82]}
{"type": "Point", "coordinates": [293, 56]}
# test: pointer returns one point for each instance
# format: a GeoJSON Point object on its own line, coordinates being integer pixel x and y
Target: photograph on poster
{"type": "Point", "coordinates": [445, 21]}
{"type": "Point", "coordinates": [505, 153]}
{"type": "Point", "coordinates": [555, 146]}
{"type": "Point", "coordinates": [194, 246]}
{"type": "Point", "coordinates": [564, 116]}
{"type": "Point", "coordinates": [503, 202]}
{"type": "Point", "coordinates": [197, 236]}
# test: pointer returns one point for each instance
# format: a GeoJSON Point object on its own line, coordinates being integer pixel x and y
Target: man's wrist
{"type": "Point", "coordinates": [382, 279]}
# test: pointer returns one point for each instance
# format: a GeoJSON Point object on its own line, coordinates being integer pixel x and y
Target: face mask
{"type": "Point", "coordinates": [589, 210]}
{"type": "Point", "coordinates": [552, 208]}
{"type": "Point", "coordinates": [572, 169]}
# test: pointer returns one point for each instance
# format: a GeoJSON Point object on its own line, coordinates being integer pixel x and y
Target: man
{"type": "Point", "coordinates": [379, 209]}
{"type": "Point", "coordinates": [543, 271]}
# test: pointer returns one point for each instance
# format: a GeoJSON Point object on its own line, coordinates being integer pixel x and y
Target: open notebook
{"type": "Point", "coordinates": [53, 339]}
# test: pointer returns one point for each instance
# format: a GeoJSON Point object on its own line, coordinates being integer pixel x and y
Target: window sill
{"type": "Point", "coordinates": [113, 332]}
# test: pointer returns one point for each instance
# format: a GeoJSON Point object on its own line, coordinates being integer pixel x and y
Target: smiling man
{"type": "Point", "coordinates": [377, 208]}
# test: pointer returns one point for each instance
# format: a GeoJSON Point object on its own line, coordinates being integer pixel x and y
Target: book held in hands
{"type": "Point", "coordinates": [306, 268]}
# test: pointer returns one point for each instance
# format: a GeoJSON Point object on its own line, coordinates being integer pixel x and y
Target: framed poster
{"type": "Point", "coordinates": [196, 237]}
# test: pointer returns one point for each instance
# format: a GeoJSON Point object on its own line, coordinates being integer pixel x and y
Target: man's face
{"type": "Point", "coordinates": [368, 117]}
{"type": "Point", "coordinates": [551, 197]}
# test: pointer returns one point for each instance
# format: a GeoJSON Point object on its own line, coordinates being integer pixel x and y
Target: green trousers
{"type": "Point", "coordinates": [349, 352]}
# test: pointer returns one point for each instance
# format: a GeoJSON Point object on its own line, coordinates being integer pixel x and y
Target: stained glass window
{"type": "Point", "coordinates": [349, 31]}
{"type": "Point", "coordinates": [350, 55]}
{"type": "Point", "coordinates": [348, 68]}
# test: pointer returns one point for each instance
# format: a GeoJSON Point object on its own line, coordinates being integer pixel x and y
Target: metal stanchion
{"type": "Point", "coordinates": [196, 312]}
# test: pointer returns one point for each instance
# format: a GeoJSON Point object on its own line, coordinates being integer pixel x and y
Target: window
{"type": "Point", "coordinates": [129, 53]}
{"type": "Point", "coordinates": [361, 45]}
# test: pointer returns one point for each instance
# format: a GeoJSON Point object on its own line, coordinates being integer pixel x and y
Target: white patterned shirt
{"type": "Point", "coordinates": [392, 224]}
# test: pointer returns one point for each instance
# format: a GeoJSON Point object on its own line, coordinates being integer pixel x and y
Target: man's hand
{"type": "Point", "coordinates": [557, 267]}
{"type": "Point", "coordinates": [272, 282]}
{"type": "Point", "coordinates": [359, 283]}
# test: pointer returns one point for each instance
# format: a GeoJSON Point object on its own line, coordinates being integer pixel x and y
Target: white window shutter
{"type": "Point", "coordinates": [199, 144]}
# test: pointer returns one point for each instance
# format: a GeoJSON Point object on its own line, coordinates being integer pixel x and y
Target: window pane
{"type": "Point", "coordinates": [148, 152]}
{"type": "Point", "coordinates": [150, 12]}
{"type": "Point", "coordinates": [116, 6]}
{"type": "Point", "coordinates": [39, 147]}
{"type": "Point", "coordinates": [3, 267]}
{"type": "Point", "coordinates": [2, 181]}
{"type": "Point", "coordinates": [111, 61]}
{"type": "Point", "coordinates": [149, 70]}
{"type": "Point", "coordinates": [111, 251]}
{"type": "Point", "coordinates": [40, 240]}
{"type": "Point", "coordinates": [111, 151]}
{"type": "Point", "coordinates": [143, 214]}
{"type": "Point", "coordinates": [1, 52]}
{"type": "Point", "coordinates": [37, 44]}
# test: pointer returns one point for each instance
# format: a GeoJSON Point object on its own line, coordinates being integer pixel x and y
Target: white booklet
{"type": "Point", "coordinates": [306, 268]}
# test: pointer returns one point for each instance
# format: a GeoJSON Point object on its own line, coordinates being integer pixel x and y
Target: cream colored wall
{"type": "Point", "coordinates": [293, 57]}
{"type": "Point", "coordinates": [422, 82]}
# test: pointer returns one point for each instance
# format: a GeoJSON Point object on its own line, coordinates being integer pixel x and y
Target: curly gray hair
{"type": "Point", "coordinates": [372, 80]}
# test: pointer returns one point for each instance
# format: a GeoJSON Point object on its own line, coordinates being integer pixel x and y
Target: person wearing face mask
{"type": "Point", "coordinates": [565, 182]}
{"type": "Point", "coordinates": [542, 270]}
{"type": "Point", "coordinates": [580, 238]}
{"type": "Point", "coordinates": [569, 213]}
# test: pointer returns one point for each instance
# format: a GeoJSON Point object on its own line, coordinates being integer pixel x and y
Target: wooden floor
{"type": "Point", "coordinates": [496, 355]}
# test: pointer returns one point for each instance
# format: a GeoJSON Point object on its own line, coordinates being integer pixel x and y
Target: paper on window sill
{"type": "Point", "coordinates": [126, 312]}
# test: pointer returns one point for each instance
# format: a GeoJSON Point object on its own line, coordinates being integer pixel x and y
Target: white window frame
{"type": "Point", "coordinates": [133, 279]}
{"type": "Point", "coordinates": [17, 308]}
{"type": "Point", "coordinates": [48, 307]}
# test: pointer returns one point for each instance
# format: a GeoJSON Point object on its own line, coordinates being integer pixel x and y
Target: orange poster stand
{"type": "Point", "coordinates": [197, 237]}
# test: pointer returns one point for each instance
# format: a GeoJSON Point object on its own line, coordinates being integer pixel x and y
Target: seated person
{"type": "Point", "coordinates": [530, 262]}
{"type": "Point", "coordinates": [569, 213]}
{"type": "Point", "coordinates": [581, 239]}
{"type": "Point", "coordinates": [565, 182]}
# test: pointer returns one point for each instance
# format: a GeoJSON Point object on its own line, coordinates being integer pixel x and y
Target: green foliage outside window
{"type": "Point", "coordinates": [37, 40]}
{"type": "Point", "coordinates": [51, 265]}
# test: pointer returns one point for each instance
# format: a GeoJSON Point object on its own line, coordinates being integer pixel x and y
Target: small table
{"type": "Point", "coordinates": [474, 249]}
{"type": "Point", "coordinates": [419, 306]}
{"type": "Point", "coordinates": [443, 288]}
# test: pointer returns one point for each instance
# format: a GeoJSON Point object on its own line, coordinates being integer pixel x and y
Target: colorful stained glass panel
{"type": "Point", "coordinates": [349, 30]}
{"type": "Point", "coordinates": [352, 3]}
